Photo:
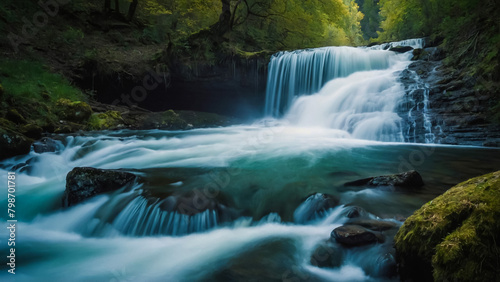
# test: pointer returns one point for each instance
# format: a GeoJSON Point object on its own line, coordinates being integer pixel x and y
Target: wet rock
{"type": "Point", "coordinates": [13, 144]}
{"type": "Point", "coordinates": [454, 237]}
{"type": "Point", "coordinates": [355, 235]}
{"type": "Point", "coordinates": [401, 49]}
{"type": "Point", "coordinates": [387, 266]}
{"type": "Point", "coordinates": [419, 54]}
{"type": "Point", "coordinates": [409, 179]}
{"type": "Point", "coordinates": [435, 53]}
{"type": "Point", "coordinates": [428, 54]}
{"type": "Point", "coordinates": [314, 206]}
{"type": "Point", "coordinates": [196, 202]}
{"type": "Point", "coordinates": [375, 225]}
{"type": "Point", "coordinates": [492, 143]}
{"type": "Point", "coordinates": [85, 182]}
{"type": "Point", "coordinates": [47, 145]}
{"type": "Point", "coordinates": [327, 254]}
{"type": "Point", "coordinates": [354, 212]}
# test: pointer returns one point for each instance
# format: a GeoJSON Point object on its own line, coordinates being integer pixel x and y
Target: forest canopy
{"type": "Point", "coordinates": [250, 25]}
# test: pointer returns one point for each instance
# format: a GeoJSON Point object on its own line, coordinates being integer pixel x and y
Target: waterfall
{"type": "Point", "coordinates": [304, 72]}
{"type": "Point", "coordinates": [355, 90]}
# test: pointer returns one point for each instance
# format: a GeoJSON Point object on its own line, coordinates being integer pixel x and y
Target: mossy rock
{"type": "Point", "coordinates": [171, 119]}
{"type": "Point", "coordinates": [107, 120]}
{"type": "Point", "coordinates": [77, 111]}
{"type": "Point", "coordinates": [13, 144]}
{"type": "Point", "coordinates": [5, 123]}
{"type": "Point", "coordinates": [14, 116]}
{"type": "Point", "coordinates": [454, 237]}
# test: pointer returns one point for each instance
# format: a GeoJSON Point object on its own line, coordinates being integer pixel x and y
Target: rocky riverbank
{"type": "Point", "coordinates": [17, 133]}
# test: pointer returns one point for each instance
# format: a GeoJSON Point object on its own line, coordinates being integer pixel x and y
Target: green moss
{"type": "Point", "coordinates": [170, 119]}
{"type": "Point", "coordinates": [456, 233]}
{"type": "Point", "coordinates": [76, 111]}
{"type": "Point", "coordinates": [25, 80]}
{"type": "Point", "coordinates": [107, 120]}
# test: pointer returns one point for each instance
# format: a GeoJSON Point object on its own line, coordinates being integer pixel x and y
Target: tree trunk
{"type": "Point", "coordinates": [107, 6]}
{"type": "Point", "coordinates": [131, 9]}
{"type": "Point", "coordinates": [117, 6]}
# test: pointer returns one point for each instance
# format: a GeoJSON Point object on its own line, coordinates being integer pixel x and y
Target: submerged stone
{"type": "Point", "coordinates": [327, 254]}
{"type": "Point", "coordinates": [315, 205]}
{"type": "Point", "coordinates": [47, 145]}
{"type": "Point", "coordinates": [409, 179]}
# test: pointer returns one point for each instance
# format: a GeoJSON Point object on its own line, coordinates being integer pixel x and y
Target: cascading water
{"type": "Point", "coordinates": [274, 189]}
{"type": "Point", "coordinates": [357, 89]}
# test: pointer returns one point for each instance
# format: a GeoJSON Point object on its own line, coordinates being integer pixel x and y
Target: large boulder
{"type": "Point", "coordinates": [327, 254]}
{"type": "Point", "coordinates": [409, 179]}
{"type": "Point", "coordinates": [13, 144]}
{"type": "Point", "coordinates": [454, 237]}
{"type": "Point", "coordinates": [85, 182]}
{"type": "Point", "coordinates": [355, 235]}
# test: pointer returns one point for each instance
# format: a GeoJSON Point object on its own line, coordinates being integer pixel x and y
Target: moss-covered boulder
{"type": "Point", "coordinates": [77, 111]}
{"type": "Point", "coordinates": [107, 120]}
{"type": "Point", "coordinates": [13, 144]}
{"type": "Point", "coordinates": [454, 237]}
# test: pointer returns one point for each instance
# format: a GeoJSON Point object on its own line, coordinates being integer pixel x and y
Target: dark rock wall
{"type": "Point", "coordinates": [445, 107]}
{"type": "Point", "coordinates": [233, 86]}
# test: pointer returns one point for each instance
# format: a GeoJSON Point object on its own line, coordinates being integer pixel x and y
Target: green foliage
{"type": "Point", "coordinates": [280, 24]}
{"type": "Point", "coordinates": [174, 20]}
{"type": "Point", "coordinates": [72, 35]}
{"type": "Point", "coordinates": [24, 80]}
{"type": "Point", "coordinates": [370, 24]}
{"type": "Point", "coordinates": [253, 25]}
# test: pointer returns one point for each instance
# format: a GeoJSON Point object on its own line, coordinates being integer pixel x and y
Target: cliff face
{"type": "Point", "coordinates": [444, 105]}
{"type": "Point", "coordinates": [234, 85]}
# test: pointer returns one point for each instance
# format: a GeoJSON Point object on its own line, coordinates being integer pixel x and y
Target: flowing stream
{"type": "Point", "coordinates": [264, 225]}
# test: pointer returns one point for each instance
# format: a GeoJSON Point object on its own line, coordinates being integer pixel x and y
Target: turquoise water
{"type": "Point", "coordinates": [263, 172]}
